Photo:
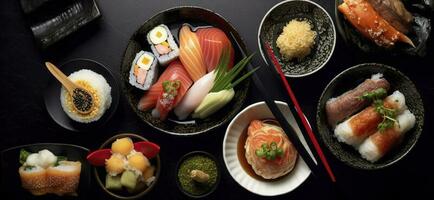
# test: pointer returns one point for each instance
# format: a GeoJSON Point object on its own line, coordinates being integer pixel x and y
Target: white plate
{"type": "Point", "coordinates": [264, 188]}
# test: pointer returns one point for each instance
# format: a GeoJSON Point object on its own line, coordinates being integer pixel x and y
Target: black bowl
{"type": "Point", "coordinates": [348, 80]}
{"type": "Point", "coordinates": [194, 153]}
{"type": "Point", "coordinates": [174, 18]}
{"type": "Point", "coordinates": [100, 172]}
{"type": "Point", "coordinates": [52, 95]}
{"type": "Point", "coordinates": [279, 15]}
{"type": "Point", "coordinates": [10, 162]}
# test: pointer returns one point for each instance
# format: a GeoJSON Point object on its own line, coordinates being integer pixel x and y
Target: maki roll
{"type": "Point", "coordinates": [144, 70]}
{"type": "Point", "coordinates": [163, 45]}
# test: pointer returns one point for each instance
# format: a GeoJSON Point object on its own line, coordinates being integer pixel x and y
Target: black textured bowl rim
{"type": "Point", "coordinates": [319, 110]}
{"type": "Point", "coordinates": [114, 104]}
{"type": "Point", "coordinates": [332, 25]}
{"type": "Point", "coordinates": [140, 194]}
{"type": "Point", "coordinates": [193, 153]}
{"type": "Point", "coordinates": [227, 119]}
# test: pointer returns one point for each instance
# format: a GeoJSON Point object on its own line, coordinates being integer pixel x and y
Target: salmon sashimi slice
{"type": "Point", "coordinates": [370, 24]}
{"type": "Point", "coordinates": [190, 53]}
{"type": "Point", "coordinates": [212, 42]}
{"type": "Point", "coordinates": [175, 71]}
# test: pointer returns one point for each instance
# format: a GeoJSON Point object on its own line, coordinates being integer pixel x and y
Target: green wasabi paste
{"type": "Point", "coordinates": [198, 162]}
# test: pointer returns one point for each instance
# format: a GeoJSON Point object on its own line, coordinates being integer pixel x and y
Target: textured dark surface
{"type": "Point", "coordinates": [24, 119]}
{"type": "Point", "coordinates": [358, 74]}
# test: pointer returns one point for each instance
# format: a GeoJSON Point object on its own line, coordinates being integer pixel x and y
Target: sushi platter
{"type": "Point", "coordinates": [292, 99]}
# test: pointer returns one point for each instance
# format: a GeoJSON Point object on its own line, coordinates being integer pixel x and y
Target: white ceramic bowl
{"type": "Point", "coordinates": [264, 188]}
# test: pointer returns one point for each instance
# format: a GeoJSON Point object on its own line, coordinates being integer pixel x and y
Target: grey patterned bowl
{"type": "Point", "coordinates": [279, 15]}
{"type": "Point", "coordinates": [348, 80]}
{"type": "Point", "coordinates": [174, 18]}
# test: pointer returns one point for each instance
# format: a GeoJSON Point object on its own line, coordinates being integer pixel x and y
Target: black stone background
{"type": "Point", "coordinates": [24, 120]}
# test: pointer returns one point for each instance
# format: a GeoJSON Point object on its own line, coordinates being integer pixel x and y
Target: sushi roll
{"type": "Point", "coordinates": [64, 178]}
{"type": "Point", "coordinates": [144, 70]}
{"type": "Point", "coordinates": [34, 179]}
{"type": "Point", "coordinates": [360, 126]}
{"type": "Point", "coordinates": [347, 104]}
{"type": "Point", "coordinates": [380, 143]}
{"type": "Point", "coordinates": [163, 45]}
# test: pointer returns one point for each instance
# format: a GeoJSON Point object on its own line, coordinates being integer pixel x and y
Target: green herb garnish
{"type": "Point", "coordinates": [269, 152]}
{"type": "Point", "coordinates": [379, 93]}
{"type": "Point", "coordinates": [224, 77]}
{"type": "Point", "coordinates": [389, 115]}
{"type": "Point", "coordinates": [23, 156]}
{"type": "Point", "coordinates": [28, 167]}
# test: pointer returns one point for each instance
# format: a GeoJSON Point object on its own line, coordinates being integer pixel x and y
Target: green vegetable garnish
{"type": "Point", "coordinates": [224, 78]}
{"type": "Point", "coordinates": [222, 91]}
{"type": "Point", "coordinates": [23, 156]}
{"type": "Point", "coordinates": [171, 87]}
{"type": "Point", "coordinates": [389, 115]}
{"type": "Point", "coordinates": [269, 152]}
{"type": "Point", "coordinates": [26, 168]}
{"type": "Point", "coordinates": [379, 93]}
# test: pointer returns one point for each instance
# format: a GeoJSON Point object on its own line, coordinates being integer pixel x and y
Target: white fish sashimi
{"type": "Point", "coordinates": [195, 95]}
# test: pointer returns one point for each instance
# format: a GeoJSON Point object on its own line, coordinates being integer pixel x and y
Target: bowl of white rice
{"type": "Point", "coordinates": [98, 81]}
{"type": "Point", "coordinates": [301, 34]}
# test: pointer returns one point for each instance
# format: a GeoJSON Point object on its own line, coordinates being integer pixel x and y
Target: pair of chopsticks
{"type": "Point", "coordinates": [295, 107]}
{"type": "Point", "coordinates": [290, 132]}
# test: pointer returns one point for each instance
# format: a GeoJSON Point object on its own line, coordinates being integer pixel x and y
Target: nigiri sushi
{"type": "Point", "coordinates": [144, 70]}
{"type": "Point", "coordinates": [345, 105]}
{"type": "Point", "coordinates": [212, 42]}
{"type": "Point", "coordinates": [174, 72]}
{"type": "Point", "coordinates": [195, 95]}
{"type": "Point", "coordinates": [360, 126]}
{"type": "Point", "coordinates": [380, 143]}
{"type": "Point", "coordinates": [370, 24]}
{"type": "Point", "coordinates": [163, 45]}
{"type": "Point", "coordinates": [190, 53]}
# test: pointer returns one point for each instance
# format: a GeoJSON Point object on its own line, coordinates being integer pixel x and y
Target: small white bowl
{"type": "Point", "coordinates": [264, 188]}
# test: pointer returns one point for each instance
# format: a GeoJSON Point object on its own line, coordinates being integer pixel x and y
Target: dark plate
{"type": "Point", "coordinates": [52, 95]}
{"type": "Point", "coordinates": [188, 155]}
{"type": "Point", "coordinates": [348, 80]}
{"type": "Point", "coordinates": [420, 34]}
{"type": "Point", "coordinates": [50, 20]}
{"type": "Point", "coordinates": [174, 18]}
{"type": "Point", "coordinates": [11, 184]}
{"type": "Point", "coordinates": [279, 15]}
{"type": "Point", "coordinates": [100, 172]}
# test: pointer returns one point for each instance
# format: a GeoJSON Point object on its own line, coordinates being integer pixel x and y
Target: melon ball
{"type": "Point", "coordinates": [123, 146]}
{"type": "Point", "coordinates": [115, 164]}
{"type": "Point", "coordinates": [138, 161]}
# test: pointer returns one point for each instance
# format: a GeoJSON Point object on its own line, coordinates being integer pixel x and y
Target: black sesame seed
{"type": "Point", "coordinates": [82, 100]}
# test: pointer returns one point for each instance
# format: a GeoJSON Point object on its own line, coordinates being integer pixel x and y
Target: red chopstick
{"type": "Point", "coordinates": [300, 112]}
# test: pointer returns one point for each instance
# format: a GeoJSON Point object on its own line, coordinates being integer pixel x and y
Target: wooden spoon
{"type": "Point", "coordinates": [81, 98]}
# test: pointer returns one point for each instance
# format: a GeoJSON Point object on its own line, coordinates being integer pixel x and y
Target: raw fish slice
{"type": "Point", "coordinates": [167, 99]}
{"type": "Point", "coordinates": [356, 129]}
{"type": "Point", "coordinates": [195, 95]}
{"type": "Point", "coordinates": [212, 42]}
{"type": "Point", "coordinates": [394, 12]}
{"type": "Point", "coordinates": [345, 105]}
{"type": "Point", "coordinates": [370, 24]}
{"type": "Point", "coordinates": [175, 71]}
{"type": "Point", "coordinates": [190, 53]}
{"type": "Point", "coordinates": [380, 143]}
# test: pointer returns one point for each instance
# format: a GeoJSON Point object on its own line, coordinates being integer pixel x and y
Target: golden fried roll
{"type": "Point", "coordinates": [64, 178]}
{"type": "Point", "coordinates": [34, 180]}
{"type": "Point", "coordinates": [367, 21]}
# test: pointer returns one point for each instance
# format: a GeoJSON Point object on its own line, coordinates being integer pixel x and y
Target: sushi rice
{"type": "Point", "coordinates": [102, 98]}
